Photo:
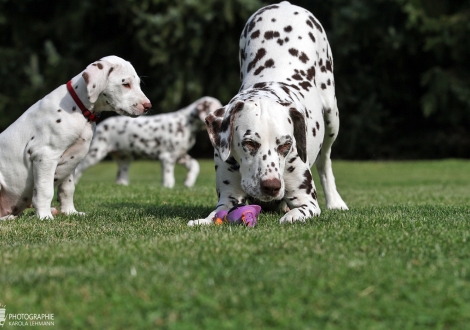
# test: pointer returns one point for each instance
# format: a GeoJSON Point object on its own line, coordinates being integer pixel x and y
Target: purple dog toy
{"type": "Point", "coordinates": [239, 214]}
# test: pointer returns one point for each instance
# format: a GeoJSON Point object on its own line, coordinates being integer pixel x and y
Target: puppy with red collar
{"type": "Point", "coordinates": [41, 149]}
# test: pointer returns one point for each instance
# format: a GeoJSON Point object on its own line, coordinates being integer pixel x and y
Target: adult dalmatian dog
{"type": "Point", "coordinates": [165, 137]}
{"type": "Point", "coordinates": [283, 120]}
{"type": "Point", "coordinates": [41, 149]}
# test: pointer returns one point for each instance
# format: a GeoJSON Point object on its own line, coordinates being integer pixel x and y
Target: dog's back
{"type": "Point", "coordinates": [284, 42]}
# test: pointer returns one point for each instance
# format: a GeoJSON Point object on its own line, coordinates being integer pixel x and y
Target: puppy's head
{"type": "Point", "coordinates": [261, 135]}
{"type": "Point", "coordinates": [113, 84]}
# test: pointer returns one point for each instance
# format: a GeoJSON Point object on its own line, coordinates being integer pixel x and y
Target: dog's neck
{"type": "Point", "coordinates": [79, 86]}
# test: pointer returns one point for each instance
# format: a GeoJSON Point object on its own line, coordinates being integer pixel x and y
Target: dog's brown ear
{"type": "Point", "coordinates": [96, 78]}
{"type": "Point", "coordinates": [219, 125]}
{"type": "Point", "coordinates": [300, 132]}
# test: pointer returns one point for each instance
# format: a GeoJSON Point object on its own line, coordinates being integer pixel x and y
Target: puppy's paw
{"type": "Point", "coordinates": [73, 212]}
{"type": "Point", "coordinates": [296, 215]}
{"type": "Point", "coordinates": [337, 204]}
{"type": "Point", "coordinates": [206, 221]}
{"type": "Point", "coordinates": [122, 182]}
{"type": "Point", "coordinates": [45, 216]}
{"type": "Point", "coordinates": [189, 183]}
{"type": "Point", "coordinates": [200, 222]}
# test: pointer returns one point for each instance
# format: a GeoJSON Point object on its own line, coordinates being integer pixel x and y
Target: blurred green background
{"type": "Point", "coordinates": [402, 67]}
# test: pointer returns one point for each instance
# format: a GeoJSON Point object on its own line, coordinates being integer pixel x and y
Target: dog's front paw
{"type": "Point", "coordinates": [122, 182]}
{"type": "Point", "coordinates": [297, 215]}
{"type": "Point", "coordinates": [206, 221]}
{"type": "Point", "coordinates": [73, 212]}
{"type": "Point", "coordinates": [335, 202]}
{"type": "Point", "coordinates": [45, 216]}
{"type": "Point", "coordinates": [200, 222]}
{"type": "Point", "coordinates": [337, 205]}
{"type": "Point", "coordinates": [189, 183]}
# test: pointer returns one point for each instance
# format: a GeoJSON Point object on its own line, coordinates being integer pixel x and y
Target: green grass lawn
{"type": "Point", "coordinates": [398, 259]}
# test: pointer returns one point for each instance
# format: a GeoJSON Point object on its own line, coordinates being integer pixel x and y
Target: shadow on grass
{"type": "Point", "coordinates": [163, 210]}
{"type": "Point", "coordinates": [172, 211]}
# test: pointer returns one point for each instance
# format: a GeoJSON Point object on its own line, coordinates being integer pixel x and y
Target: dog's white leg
{"type": "Point", "coordinates": [323, 162]}
{"type": "Point", "coordinates": [43, 192]}
{"type": "Point", "coordinates": [168, 171]}
{"type": "Point", "coordinates": [65, 193]}
{"type": "Point", "coordinates": [124, 163]}
{"type": "Point", "coordinates": [331, 124]}
{"type": "Point", "coordinates": [229, 190]}
{"type": "Point", "coordinates": [300, 195]}
{"type": "Point", "coordinates": [193, 169]}
{"type": "Point", "coordinates": [325, 171]}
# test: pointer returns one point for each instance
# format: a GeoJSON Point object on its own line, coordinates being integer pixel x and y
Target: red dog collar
{"type": "Point", "coordinates": [87, 113]}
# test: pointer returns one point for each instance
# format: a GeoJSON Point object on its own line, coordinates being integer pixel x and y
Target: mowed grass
{"type": "Point", "coordinates": [398, 259]}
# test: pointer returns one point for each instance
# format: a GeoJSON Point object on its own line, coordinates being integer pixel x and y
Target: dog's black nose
{"type": "Point", "coordinates": [270, 187]}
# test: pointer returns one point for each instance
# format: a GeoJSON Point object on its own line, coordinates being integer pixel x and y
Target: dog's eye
{"type": "Point", "coordinates": [252, 145]}
{"type": "Point", "coordinates": [127, 85]}
{"type": "Point", "coordinates": [284, 149]}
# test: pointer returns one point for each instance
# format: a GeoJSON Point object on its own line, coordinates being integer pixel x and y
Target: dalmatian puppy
{"type": "Point", "coordinates": [165, 137]}
{"type": "Point", "coordinates": [283, 120]}
{"type": "Point", "coordinates": [41, 149]}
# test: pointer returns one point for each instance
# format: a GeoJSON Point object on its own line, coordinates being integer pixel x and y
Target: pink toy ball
{"type": "Point", "coordinates": [239, 214]}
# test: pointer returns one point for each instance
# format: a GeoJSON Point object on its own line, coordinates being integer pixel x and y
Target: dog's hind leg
{"type": "Point", "coordinates": [193, 169]}
{"type": "Point", "coordinates": [168, 170]}
{"type": "Point", "coordinates": [5, 209]}
{"type": "Point", "coordinates": [323, 162]}
{"type": "Point", "coordinates": [124, 163]}
{"type": "Point", "coordinates": [3, 212]}
{"type": "Point", "coordinates": [325, 80]}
